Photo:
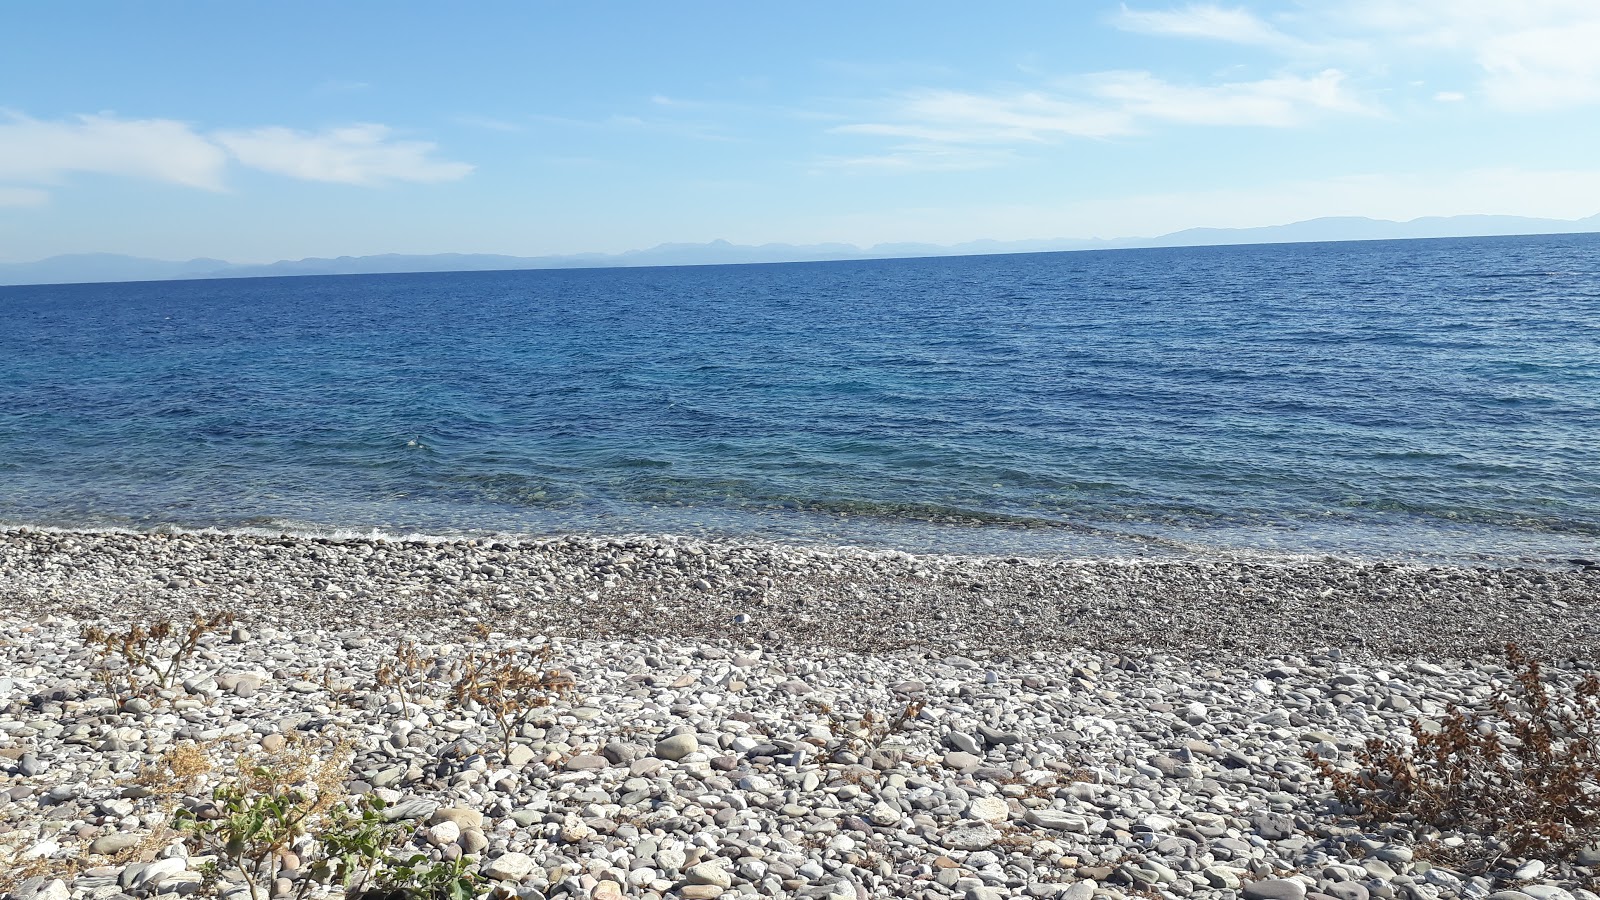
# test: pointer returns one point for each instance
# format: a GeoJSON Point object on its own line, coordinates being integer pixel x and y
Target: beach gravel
{"type": "Point", "coordinates": [886, 725]}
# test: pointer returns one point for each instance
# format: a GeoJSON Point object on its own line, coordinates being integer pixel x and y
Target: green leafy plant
{"type": "Point", "coordinates": [274, 801]}
{"type": "Point", "coordinates": [152, 658]}
{"type": "Point", "coordinates": [418, 878]}
{"type": "Point", "coordinates": [1519, 776]}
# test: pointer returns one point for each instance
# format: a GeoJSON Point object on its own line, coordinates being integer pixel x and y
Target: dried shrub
{"type": "Point", "coordinates": [152, 658]}
{"type": "Point", "coordinates": [1520, 777]}
{"type": "Point", "coordinates": [511, 685]}
{"type": "Point", "coordinates": [864, 734]}
{"type": "Point", "coordinates": [406, 671]}
{"type": "Point", "coordinates": [178, 771]}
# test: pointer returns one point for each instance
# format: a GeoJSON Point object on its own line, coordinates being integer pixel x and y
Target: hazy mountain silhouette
{"type": "Point", "coordinates": [90, 267]}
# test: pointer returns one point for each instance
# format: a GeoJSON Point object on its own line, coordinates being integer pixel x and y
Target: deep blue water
{"type": "Point", "coordinates": [1432, 398]}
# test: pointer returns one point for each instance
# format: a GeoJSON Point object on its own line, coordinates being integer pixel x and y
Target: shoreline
{"type": "Point", "coordinates": [809, 596]}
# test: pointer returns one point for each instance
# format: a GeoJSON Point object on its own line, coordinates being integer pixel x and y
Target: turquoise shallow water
{"type": "Point", "coordinates": [1399, 398]}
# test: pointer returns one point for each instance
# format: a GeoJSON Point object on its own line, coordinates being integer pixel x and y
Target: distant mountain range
{"type": "Point", "coordinates": [88, 267]}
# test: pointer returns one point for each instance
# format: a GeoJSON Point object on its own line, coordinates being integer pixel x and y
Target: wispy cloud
{"type": "Point", "coordinates": [919, 157]}
{"type": "Point", "coordinates": [1279, 102]}
{"type": "Point", "coordinates": [938, 129]}
{"type": "Point", "coordinates": [1531, 55]}
{"type": "Point", "coordinates": [37, 154]}
{"type": "Point", "coordinates": [356, 154]}
{"type": "Point", "coordinates": [1235, 25]}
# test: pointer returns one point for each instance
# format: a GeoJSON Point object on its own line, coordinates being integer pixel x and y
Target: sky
{"type": "Point", "coordinates": [256, 131]}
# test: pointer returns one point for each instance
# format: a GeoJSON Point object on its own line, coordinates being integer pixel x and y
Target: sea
{"type": "Point", "coordinates": [1419, 400]}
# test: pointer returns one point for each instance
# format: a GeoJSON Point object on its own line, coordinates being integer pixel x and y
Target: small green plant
{"type": "Point", "coordinates": [274, 801]}
{"type": "Point", "coordinates": [511, 685]}
{"type": "Point", "coordinates": [152, 658]}
{"type": "Point", "coordinates": [418, 878]}
{"type": "Point", "coordinates": [1520, 777]}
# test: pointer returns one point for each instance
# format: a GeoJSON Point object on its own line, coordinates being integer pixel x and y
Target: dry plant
{"type": "Point", "coordinates": [1519, 778]}
{"type": "Point", "coordinates": [178, 771]}
{"type": "Point", "coordinates": [406, 671]}
{"type": "Point", "coordinates": [153, 658]}
{"type": "Point", "coordinates": [511, 685]}
{"type": "Point", "coordinates": [868, 732]}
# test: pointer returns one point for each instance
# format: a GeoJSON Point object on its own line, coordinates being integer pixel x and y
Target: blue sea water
{"type": "Point", "coordinates": [1428, 399]}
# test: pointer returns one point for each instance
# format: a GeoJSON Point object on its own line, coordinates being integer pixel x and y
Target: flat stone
{"type": "Point", "coordinates": [508, 867]}
{"type": "Point", "coordinates": [709, 873]}
{"type": "Point", "coordinates": [111, 844]}
{"type": "Point", "coordinates": [962, 761]}
{"type": "Point", "coordinates": [462, 817]}
{"type": "Point", "coordinates": [414, 808]}
{"type": "Point", "coordinates": [1056, 820]}
{"type": "Point", "coordinates": [989, 809]}
{"type": "Point", "coordinates": [677, 746]}
{"type": "Point", "coordinates": [970, 837]}
{"type": "Point", "coordinates": [1274, 889]}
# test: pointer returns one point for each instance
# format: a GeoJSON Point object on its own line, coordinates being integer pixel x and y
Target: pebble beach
{"type": "Point", "coordinates": [1073, 728]}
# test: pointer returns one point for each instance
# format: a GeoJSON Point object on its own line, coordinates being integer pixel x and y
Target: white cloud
{"type": "Point", "coordinates": [964, 117]}
{"type": "Point", "coordinates": [938, 128]}
{"type": "Point", "coordinates": [36, 154]}
{"type": "Point", "coordinates": [1543, 68]}
{"type": "Point", "coordinates": [1530, 54]}
{"type": "Point", "coordinates": [44, 152]}
{"type": "Point", "coordinates": [1449, 96]}
{"type": "Point", "coordinates": [355, 154]}
{"type": "Point", "coordinates": [1236, 25]}
{"type": "Point", "coordinates": [920, 157]}
{"type": "Point", "coordinates": [1272, 102]}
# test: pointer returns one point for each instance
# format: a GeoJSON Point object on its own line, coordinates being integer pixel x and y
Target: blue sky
{"type": "Point", "coordinates": [254, 131]}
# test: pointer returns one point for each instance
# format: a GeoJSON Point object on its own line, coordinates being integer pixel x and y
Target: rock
{"type": "Point", "coordinates": [445, 832]}
{"type": "Point", "coordinates": [55, 889]}
{"type": "Point", "coordinates": [1079, 890]}
{"type": "Point", "coordinates": [607, 890]}
{"type": "Point", "coordinates": [112, 844]}
{"type": "Point", "coordinates": [586, 762]}
{"type": "Point", "coordinates": [520, 755]}
{"type": "Point", "coordinates": [461, 816]}
{"type": "Point", "coordinates": [700, 891]}
{"type": "Point", "coordinates": [962, 761]}
{"type": "Point", "coordinates": [1347, 890]}
{"type": "Point", "coordinates": [1529, 870]}
{"type": "Point", "coordinates": [508, 867]}
{"type": "Point", "coordinates": [989, 809]}
{"type": "Point", "coordinates": [677, 746]}
{"type": "Point", "coordinates": [965, 743]}
{"type": "Point", "coordinates": [1057, 820]}
{"type": "Point", "coordinates": [473, 840]}
{"type": "Point", "coordinates": [709, 873]}
{"type": "Point", "coordinates": [970, 837]}
{"type": "Point", "coordinates": [159, 870]}
{"type": "Point", "coordinates": [414, 808]}
{"type": "Point", "coordinates": [1274, 889]}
